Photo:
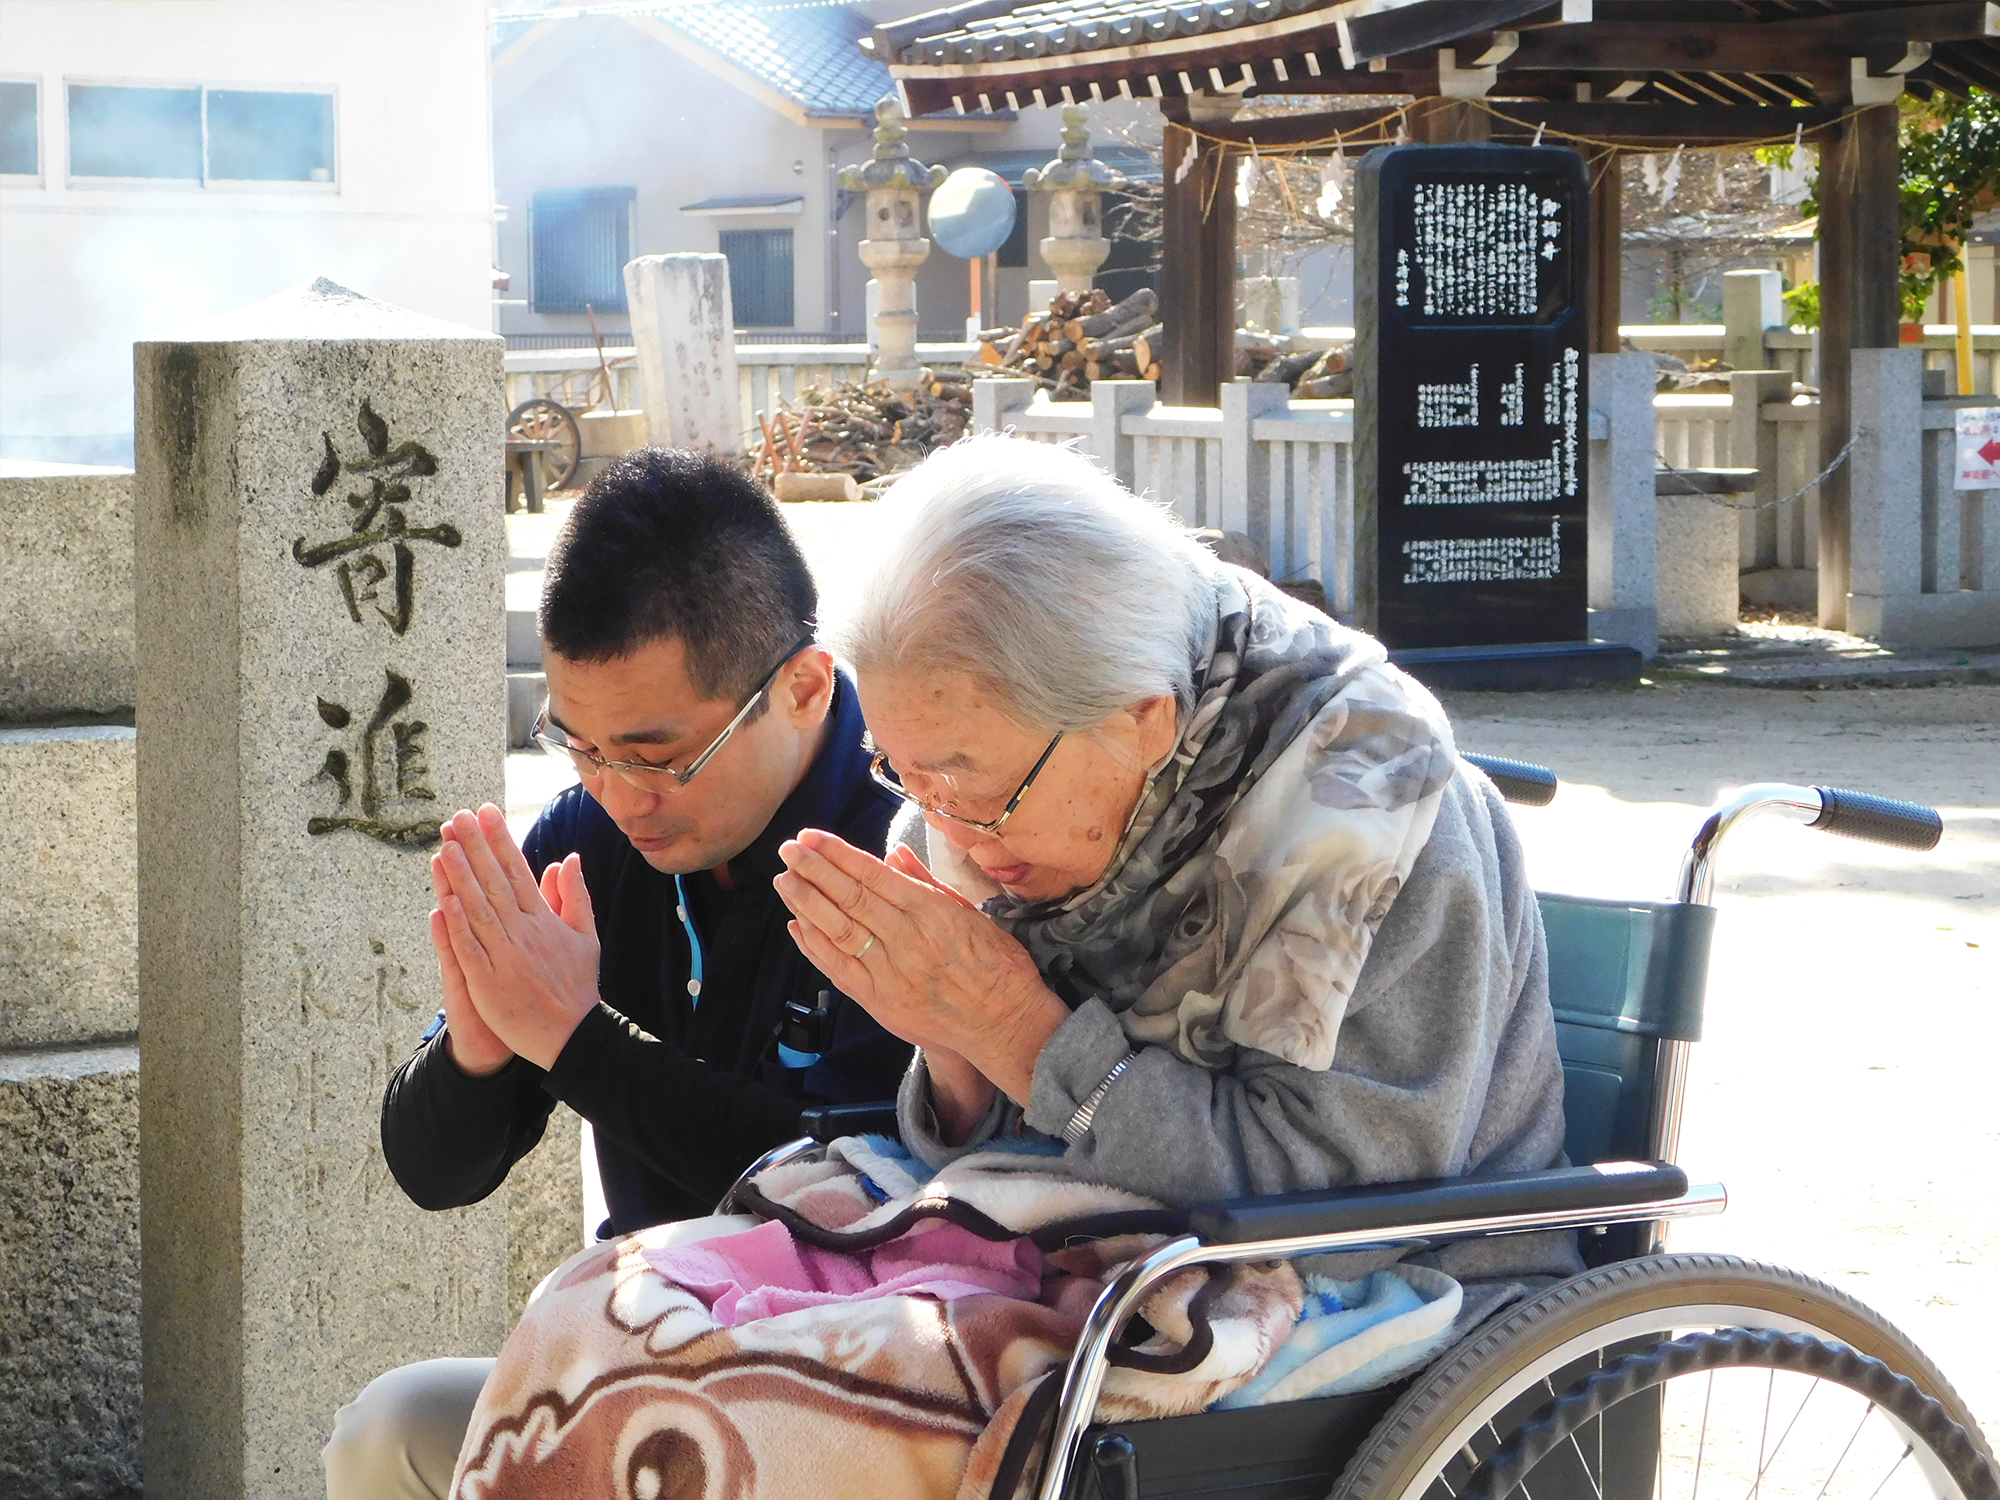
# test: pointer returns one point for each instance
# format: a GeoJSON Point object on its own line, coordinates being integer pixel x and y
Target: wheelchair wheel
{"type": "Point", "coordinates": [1584, 1393]}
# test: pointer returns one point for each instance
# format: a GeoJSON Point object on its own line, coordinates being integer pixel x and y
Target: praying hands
{"type": "Point", "coordinates": [519, 959]}
{"type": "Point", "coordinates": [925, 963]}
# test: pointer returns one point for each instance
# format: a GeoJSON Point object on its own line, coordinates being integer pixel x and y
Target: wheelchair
{"type": "Point", "coordinates": [1644, 1378]}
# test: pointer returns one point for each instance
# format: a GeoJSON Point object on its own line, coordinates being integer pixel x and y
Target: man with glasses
{"type": "Point", "coordinates": [631, 959]}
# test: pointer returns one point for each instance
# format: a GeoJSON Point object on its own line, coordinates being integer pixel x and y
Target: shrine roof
{"type": "Point", "coordinates": [1730, 55]}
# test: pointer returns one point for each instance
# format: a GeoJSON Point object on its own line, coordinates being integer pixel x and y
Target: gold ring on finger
{"type": "Point", "coordinates": [863, 952]}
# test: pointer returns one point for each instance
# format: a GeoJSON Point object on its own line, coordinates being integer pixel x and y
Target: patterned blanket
{"type": "Point", "coordinates": [881, 1373]}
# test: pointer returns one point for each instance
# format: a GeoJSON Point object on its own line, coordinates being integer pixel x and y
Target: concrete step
{"type": "Point", "coordinates": [524, 598]}
{"type": "Point", "coordinates": [70, 1366]}
{"type": "Point", "coordinates": [69, 939]}
{"type": "Point", "coordinates": [525, 691]}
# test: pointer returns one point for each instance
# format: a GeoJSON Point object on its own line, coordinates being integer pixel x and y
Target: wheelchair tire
{"type": "Point", "coordinates": [1498, 1379]}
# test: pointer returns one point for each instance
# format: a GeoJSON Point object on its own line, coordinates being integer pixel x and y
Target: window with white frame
{"type": "Point", "coordinates": [192, 134]}
{"type": "Point", "coordinates": [20, 127]}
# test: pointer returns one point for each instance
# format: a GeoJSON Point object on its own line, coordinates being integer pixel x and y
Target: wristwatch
{"type": "Point", "coordinates": [1079, 1123]}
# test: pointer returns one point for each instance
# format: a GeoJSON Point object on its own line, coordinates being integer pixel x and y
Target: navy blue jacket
{"type": "Point", "coordinates": [682, 1091]}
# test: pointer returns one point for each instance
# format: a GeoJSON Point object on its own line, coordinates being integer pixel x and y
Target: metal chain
{"type": "Point", "coordinates": [1727, 504]}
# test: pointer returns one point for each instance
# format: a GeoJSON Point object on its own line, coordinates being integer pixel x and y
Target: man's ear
{"type": "Point", "coordinates": [804, 690]}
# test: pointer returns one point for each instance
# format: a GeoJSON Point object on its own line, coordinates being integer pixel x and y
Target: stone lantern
{"type": "Point", "coordinates": [895, 246]}
{"type": "Point", "coordinates": [1075, 182]}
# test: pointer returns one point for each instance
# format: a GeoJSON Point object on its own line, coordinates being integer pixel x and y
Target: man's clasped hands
{"type": "Point", "coordinates": [519, 958]}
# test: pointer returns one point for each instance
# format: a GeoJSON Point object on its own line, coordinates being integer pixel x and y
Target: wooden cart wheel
{"type": "Point", "coordinates": [545, 421]}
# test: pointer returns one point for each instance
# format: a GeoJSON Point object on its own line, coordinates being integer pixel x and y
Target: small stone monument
{"type": "Point", "coordinates": [894, 181]}
{"type": "Point", "coordinates": [684, 333]}
{"type": "Point", "coordinates": [321, 640]}
{"type": "Point", "coordinates": [1076, 182]}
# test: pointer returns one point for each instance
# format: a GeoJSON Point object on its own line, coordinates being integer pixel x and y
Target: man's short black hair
{"type": "Point", "coordinates": [669, 544]}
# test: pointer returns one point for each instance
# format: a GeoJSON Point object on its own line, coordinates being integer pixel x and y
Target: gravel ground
{"type": "Point", "coordinates": [1845, 1089]}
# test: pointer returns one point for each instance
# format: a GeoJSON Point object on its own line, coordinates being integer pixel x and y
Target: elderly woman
{"type": "Point", "coordinates": [1193, 900]}
{"type": "Point", "coordinates": [1210, 903]}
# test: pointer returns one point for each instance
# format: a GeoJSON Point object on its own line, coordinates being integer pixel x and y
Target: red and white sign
{"type": "Point", "coordinates": [1978, 466]}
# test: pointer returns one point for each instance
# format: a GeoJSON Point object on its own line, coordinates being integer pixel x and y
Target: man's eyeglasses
{"type": "Point", "coordinates": [885, 775]}
{"type": "Point", "coordinates": [639, 773]}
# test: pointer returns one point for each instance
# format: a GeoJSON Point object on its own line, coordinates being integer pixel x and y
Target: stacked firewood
{"type": "Point", "coordinates": [864, 431]}
{"type": "Point", "coordinates": [1082, 337]}
{"type": "Point", "coordinates": [1313, 374]}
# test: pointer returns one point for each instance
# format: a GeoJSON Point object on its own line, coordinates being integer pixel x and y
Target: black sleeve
{"type": "Point", "coordinates": [450, 1138]}
{"type": "Point", "coordinates": [693, 1124]}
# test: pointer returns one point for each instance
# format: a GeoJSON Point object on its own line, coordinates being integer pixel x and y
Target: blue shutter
{"type": "Point", "coordinates": [760, 276]}
{"type": "Point", "coordinates": [581, 239]}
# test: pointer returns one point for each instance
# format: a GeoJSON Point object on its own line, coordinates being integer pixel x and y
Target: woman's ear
{"type": "Point", "coordinates": [1157, 720]}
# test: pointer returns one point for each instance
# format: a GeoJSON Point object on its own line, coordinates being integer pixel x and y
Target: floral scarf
{"type": "Point", "coordinates": [1264, 854]}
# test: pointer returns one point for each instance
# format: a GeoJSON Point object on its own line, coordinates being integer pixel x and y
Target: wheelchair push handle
{"type": "Point", "coordinates": [1517, 780]}
{"type": "Point", "coordinates": [1855, 815]}
{"type": "Point", "coordinates": [1880, 820]}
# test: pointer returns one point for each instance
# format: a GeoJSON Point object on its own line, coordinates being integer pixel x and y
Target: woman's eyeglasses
{"type": "Point", "coordinates": [885, 775]}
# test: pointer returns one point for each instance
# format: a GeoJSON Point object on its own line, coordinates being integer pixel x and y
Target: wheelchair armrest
{"type": "Point", "coordinates": [828, 1122]}
{"type": "Point", "coordinates": [1277, 1216]}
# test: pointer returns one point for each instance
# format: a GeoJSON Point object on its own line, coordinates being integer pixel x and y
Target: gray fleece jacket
{"type": "Point", "coordinates": [1445, 1064]}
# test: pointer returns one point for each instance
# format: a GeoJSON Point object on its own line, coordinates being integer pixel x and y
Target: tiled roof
{"type": "Point", "coordinates": [811, 56]}
{"type": "Point", "coordinates": [1056, 27]}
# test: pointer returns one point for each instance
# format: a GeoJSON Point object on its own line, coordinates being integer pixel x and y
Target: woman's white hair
{"type": "Point", "coordinates": [1027, 567]}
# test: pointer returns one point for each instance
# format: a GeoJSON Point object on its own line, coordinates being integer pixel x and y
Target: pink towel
{"type": "Point", "coordinates": [764, 1272]}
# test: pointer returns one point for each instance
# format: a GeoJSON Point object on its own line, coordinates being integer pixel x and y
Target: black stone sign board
{"type": "Point", "coordinates": [1471, 406]}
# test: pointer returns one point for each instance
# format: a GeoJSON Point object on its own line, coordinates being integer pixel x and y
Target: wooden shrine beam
{"type": "Point", "coordinates": [1607, 258]}
{"type": "Point", "coordinates": [1197, 266]}
{"type": "Point", "coordinates": [1656, 126]}
{"type": "Point", "coordinates": [1860, 307]}
{"type": "Point", "coordinates": [1817, 47]}
{"type": "Point", "coordinates": [1639, 126]}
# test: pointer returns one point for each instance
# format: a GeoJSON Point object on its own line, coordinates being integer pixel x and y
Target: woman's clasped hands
{"type": "Point", "coordinates": [926, 963]}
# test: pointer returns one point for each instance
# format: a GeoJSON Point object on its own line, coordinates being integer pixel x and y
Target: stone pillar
{"type": "Point", "coordinates": [1622, 522]}
{"type": "Point", "coordinates": [894, 182]}
{"type": "Point", "coordinates": [321, 636]}
{"type": "Point", "coordinates": [1752, 301]}
{"type": "Point", "coordinates": [1075, 182]}
{"type": "Point", "coordinates": [1753, 444]}
{"type": "Point", "coordinates": [683, 332]}
{"type": "Point", "coordinates": [69, 1064]}
{"type": "Point", "coordinates": [1886, 515]}
{"type": "Point", "coordinates": [994, 402]}
{"type": "Point", "coordinates": [1246, 463]}
{"type": "Point", "coordinates": [1111, 401]}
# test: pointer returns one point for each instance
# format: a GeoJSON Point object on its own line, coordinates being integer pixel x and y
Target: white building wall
{"type": "Point", "coordinates": [85, 270]}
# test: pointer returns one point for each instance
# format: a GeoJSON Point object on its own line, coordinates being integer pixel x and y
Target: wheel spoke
{"type": "Point", "coordinates": [1845, 1450]}
{"type": "Point", "coordinates": [1763, 1432]}
{"type": "Point", "coordinates": [1701, 1443]}
{"type": "Point", "coordinates": [1764, 1464]}
{"type": "Point", "coordinates": [1907, 1448]}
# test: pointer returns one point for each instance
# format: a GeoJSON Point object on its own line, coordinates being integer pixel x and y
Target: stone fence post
{"type": "Point", "coordinates": [1752, 302]}
{"type": "Point", "coordinates": [1753, 444]}
{"type": "Point", "coordinates": [320, 678]}
{"type": "Point", "coordinates": [994, 401]}
{"type": "Point", "coordinates": [1111, 401]}
{"type": "Point", "coordinates": [683, 333]}
{"type": "Point", "coordinates": [1246, 463]}
{"type": "Point", "coordinates": [1885, 486]}
{"type": "Point", "coordinates": [1622, 520]}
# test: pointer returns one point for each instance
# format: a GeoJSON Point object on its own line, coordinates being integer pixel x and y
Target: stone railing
{"type": "Point", "coordinates": [769, 376]}
{"type": "Point", "coordinates": [1278, 471]}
